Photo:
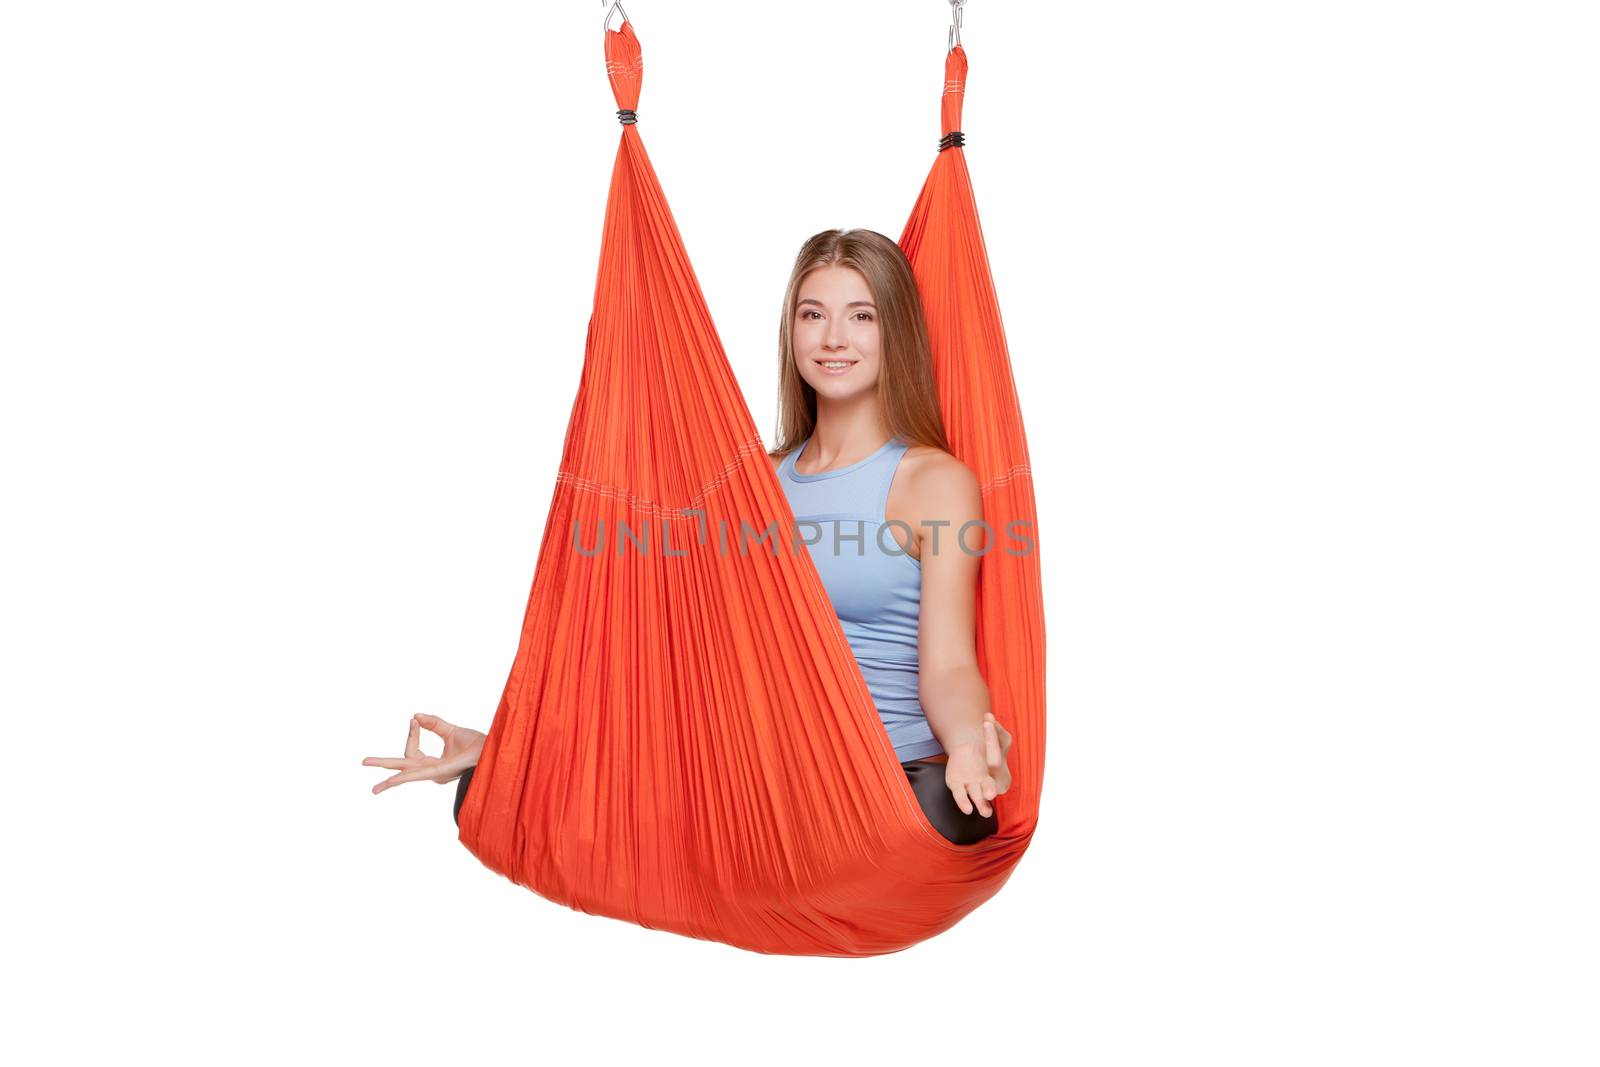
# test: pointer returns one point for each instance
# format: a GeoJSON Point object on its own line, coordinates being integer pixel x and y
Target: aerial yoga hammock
{"type": "Point", "coordinates": [685, 741]}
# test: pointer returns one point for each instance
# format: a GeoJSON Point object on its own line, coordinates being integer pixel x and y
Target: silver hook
{"type": "Point", "coordinates": [954, 37]}
{"type": "Point", "coordinates": [617, 6]}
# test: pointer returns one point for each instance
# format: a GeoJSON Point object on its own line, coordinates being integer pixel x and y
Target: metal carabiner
{"type": "Point", "coordinates": [617, 6]}
{"type": "Point", "coordinates": [955, 26]}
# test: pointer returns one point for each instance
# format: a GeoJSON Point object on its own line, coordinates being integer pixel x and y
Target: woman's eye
{"type": "Point", "coordinates": [806, 314]}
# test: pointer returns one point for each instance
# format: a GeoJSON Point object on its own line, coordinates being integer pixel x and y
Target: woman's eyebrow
{"type": "Point", "coordinates": [852, 304]}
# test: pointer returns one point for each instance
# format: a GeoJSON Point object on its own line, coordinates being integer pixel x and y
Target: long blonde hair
{"type": "Point", "coordinates": [906, 391]}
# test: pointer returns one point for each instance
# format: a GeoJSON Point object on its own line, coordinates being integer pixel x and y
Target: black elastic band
{"type": "Point", "coordinates": [627, 116]}
{"type": "Point", "coordinates": [953, 139]}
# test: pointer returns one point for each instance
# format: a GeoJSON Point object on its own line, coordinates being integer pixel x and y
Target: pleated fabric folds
{"type": "Point", "coordinates": [684, 741]}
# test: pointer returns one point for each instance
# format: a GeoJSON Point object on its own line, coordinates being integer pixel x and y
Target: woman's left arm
{"type": "Point", "coordinates": [950, 686]}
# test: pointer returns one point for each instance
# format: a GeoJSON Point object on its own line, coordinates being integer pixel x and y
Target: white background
{"type": "Point", "coordinates": [1302, 304]}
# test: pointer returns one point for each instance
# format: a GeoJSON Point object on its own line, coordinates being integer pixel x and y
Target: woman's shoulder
{"type": "Point", "coordinates": [937, 465]}
{"type": "Point", "coordinates": [939, 480]}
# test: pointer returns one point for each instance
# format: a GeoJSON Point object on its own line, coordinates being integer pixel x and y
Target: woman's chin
{"type": "Point", "coordinates": [834, 389]}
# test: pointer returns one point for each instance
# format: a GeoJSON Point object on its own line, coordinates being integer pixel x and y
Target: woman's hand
{"type": "Point", "coordinates": [462, 747]}
{"type": "Point", "coordinates": [976, 772]}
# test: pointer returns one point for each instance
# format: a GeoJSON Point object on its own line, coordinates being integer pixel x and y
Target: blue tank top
{"type": "Point", "coordinates": [875, 585]}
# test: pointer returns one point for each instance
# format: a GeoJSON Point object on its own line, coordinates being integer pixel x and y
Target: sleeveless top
{"type": "Point", "coordinates": [875, 585]}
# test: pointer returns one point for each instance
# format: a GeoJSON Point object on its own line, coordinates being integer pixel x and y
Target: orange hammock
{"type": "Point", "coordinates": [685, 740]}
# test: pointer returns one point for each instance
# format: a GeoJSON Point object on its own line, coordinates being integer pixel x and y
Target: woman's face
{"type": "Point", "coordinates": [836, 322]}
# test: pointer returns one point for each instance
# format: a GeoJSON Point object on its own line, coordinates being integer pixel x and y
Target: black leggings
{"type": "Point", "coordinates": [927, 781]}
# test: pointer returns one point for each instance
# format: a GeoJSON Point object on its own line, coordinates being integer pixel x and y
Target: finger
{"type": "Point", "coordinates": [976, 789]}
{"type": "Point", "coordinates": [962, 802]}
{"type": "Point", "coordinates": [388, 763]}
{"type": "Point", "coordinates": [414, 739]}
{"type": "Point", "coordinates": [406, 776]}
{"type": "Point", "coordinates": [991, 745]}
{"type": "Point", "coordinates": [434, 723]}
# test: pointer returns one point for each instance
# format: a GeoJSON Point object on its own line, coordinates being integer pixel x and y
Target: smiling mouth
{"type": "Point", "coordinates": [835, 366]}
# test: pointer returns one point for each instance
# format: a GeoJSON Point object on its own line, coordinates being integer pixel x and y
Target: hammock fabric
{"type": "Point", "coordinates": [685, 741]}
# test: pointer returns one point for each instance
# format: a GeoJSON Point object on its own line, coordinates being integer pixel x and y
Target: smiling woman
{"type": "Point", "coordinates": [852, 298]}
{"type": "Point", "coordinates": [862, 453]}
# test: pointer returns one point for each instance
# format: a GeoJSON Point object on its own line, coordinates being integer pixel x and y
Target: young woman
{"type": "Point", "coordinates": [881, 502]}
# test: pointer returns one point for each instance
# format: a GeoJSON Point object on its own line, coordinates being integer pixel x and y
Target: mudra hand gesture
{"type": "Point", "coordinates": [976, 772]}
{"type": "Point", "coordinates": [462, 747]}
